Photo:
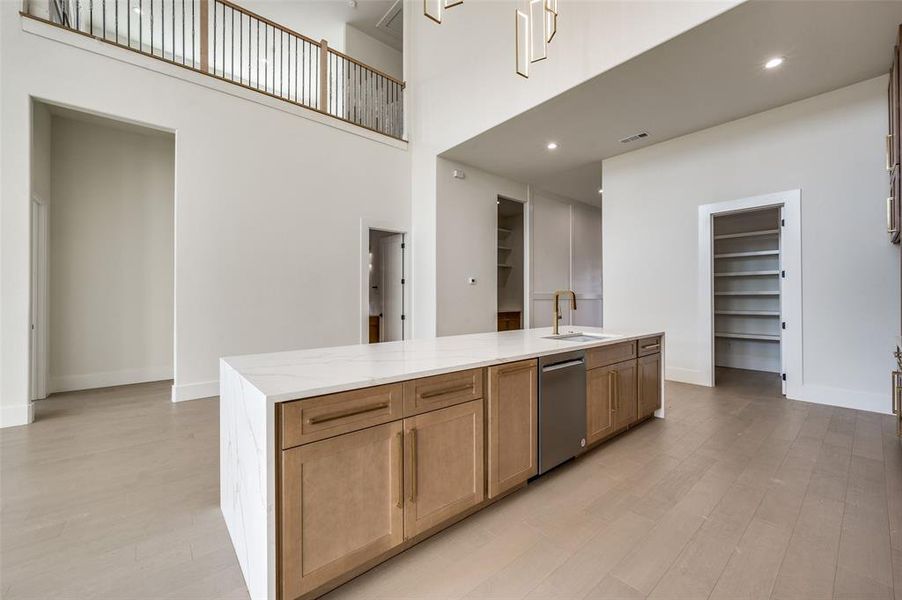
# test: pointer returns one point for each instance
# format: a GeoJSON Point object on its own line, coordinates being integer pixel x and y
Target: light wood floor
{"type": "Point", "coordinates": [738, 494]}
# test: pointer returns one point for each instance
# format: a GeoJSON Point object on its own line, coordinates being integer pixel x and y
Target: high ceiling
{"type": "Point", "coordinates": [381, 19]}
{"type": "Point", "coordinates": [710, 75]}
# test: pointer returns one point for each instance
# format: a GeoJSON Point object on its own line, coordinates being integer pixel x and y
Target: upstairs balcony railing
{"type": "Point", "coordinates": [224, 40]}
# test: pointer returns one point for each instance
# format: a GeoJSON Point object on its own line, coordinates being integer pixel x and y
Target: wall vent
{"type": "Point", "coordinates": [634, 137]}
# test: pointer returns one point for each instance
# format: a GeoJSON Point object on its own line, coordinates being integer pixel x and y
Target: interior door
{"type": "Point", "coordinates": [393, 287]}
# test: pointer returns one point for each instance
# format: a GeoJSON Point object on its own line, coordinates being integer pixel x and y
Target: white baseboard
{"type": "Point", "coordinates": [90, 381]}
{"type": "Point", "coordinates": [686, 376]}
{"type": "Point", "coordinates": [195, 391]}
{"type": "Point", "coordinates": [831, 396]}
{"type": "Point", "coordinates": [17, 414]}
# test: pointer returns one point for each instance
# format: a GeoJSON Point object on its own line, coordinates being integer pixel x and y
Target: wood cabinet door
{"type": "Point", "coordinates": [512, 425]}
{"type": "Point", "coordinates": [599, 403]}
{"type": "Point", "coordinates": [444, 458]}
{"type": "Point", "coordinates": [341, 504]}
{"type": "Point", "coordinates": [626, 405]}
{"type": "Point", "coordinates": [649, 380]}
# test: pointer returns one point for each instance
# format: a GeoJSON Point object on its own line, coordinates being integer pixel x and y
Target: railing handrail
{"type": "Point", "coordinates": [364, 65]}
{"type": "Point", "coordinates": [263, 19]}
{"type": "Point", "coordinates": [372, 100]}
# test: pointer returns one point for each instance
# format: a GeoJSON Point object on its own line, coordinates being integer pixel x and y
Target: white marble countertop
{"type": "Point", "coordinates": [296, 374]}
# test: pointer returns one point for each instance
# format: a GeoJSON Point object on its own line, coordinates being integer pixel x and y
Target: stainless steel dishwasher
{"type": "Point", "coordinates": [562, 408]}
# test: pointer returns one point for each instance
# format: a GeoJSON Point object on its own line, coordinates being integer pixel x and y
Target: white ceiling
{"type": "Point", "coordinates": [366, 16]}
{"type": "Point", "coordinates": [710, 75]}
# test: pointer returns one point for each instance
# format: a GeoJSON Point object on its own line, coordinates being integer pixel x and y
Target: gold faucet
{"type": "Point", "coordinates": [556, 317]}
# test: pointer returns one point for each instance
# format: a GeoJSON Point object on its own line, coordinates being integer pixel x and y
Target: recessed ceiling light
{"type": "Point", "coordinates": [774, 62]}
{"type": "Point", "coordinates": [551, 145]}
{"type": "Point", "coordinates": [600, 190]}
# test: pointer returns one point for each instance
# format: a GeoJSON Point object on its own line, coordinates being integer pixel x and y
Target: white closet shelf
{"type": "Point", "coordinates": [746, 273]}
{"type": "Point", "coordinates": [748, 313]}
{"type": "Point", "coordinates": [500, 266]}
{"type": "Point", "coordinates": [761, 232]}
{"type": "Point", "coordinates": [748, 254]}
{"type": "Point", "coordinates": [505, 248]}
{"type": "Point", "coordinates": [504, 230]}
{"type": "Point", "coordinates": [749, 293]}
{"type": "Point", "coordinates": [765, 337]}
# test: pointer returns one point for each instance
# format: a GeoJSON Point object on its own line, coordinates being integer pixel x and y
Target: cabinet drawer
{"type": "Point", "coordinates": [608, 355]}
{"type": "Point", "coordinates": [649, 345]}
{"type": "Point", "coordinates": [313, 419]}
{"type": "Point", "coordinates": [431, 393]}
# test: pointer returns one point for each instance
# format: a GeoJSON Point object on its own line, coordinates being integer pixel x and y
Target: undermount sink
{"type": "Point", "coordinates": [582, 337]}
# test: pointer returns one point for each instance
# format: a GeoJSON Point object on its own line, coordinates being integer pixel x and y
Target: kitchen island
{"type": "Point", "coordinates": [335, 459]}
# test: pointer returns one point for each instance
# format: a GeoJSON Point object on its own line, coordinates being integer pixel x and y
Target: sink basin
{"type": "Point", "coordinates": [582, 337]}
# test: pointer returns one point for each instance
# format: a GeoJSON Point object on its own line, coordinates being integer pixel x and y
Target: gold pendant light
{"type": "Point", "coordinates": [534, 29]}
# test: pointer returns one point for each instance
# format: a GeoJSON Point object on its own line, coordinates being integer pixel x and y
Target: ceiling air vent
{"type": "Point", "coordinates": [632, 138]}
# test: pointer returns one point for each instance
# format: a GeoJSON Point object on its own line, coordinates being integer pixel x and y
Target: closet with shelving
{"type": "Point", "coordinates": [510, 264]}
{"type": "Point", "coordinates": [747, 281]}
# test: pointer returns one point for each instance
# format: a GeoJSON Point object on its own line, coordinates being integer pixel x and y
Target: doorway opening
{"type": "Point", "coordinates": [750, 291]}
{"type": "Point", "coordinates": [511, 272]}
{"type": "Point", "coordinates": [102, 265]}
{"type": "Point", "coordinates": [748, 316]}
{"type": "Point", "coordinates": [386, 318]}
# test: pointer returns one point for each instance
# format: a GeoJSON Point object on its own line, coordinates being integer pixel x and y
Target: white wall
{"type": "Point", "coordinates": [830, 147]}
{"type": "Point", "coordinates": [461, 81]}
{"type": "Point", "coordinates": [252, 177]}
{"type": "Point", "coordinates": [373, 52]}
{"type": "Point", "coordinates": [468, 247]}
{"type": "Point", "coordinates": [566, 254]}
{"type": "Point", "coordinates": [563, 243]}
{"type": "Point", "coordinates": [111, 255]}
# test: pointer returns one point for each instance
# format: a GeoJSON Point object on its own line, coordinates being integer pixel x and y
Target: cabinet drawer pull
{"type": "Point", "coordinates": [346, 413]}
{"type": "Point", "coordinates": [400, 437]}
{"type": "Point", "coordinates": [655, 346]}
{"type": "Point", "coordinates": [437, 393]}
{"type": "Point", "coordinates": [413, 465]}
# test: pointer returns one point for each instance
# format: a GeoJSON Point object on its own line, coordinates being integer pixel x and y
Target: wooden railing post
{"type": "Point", "coordinates": [204, 25]}
{"type": "Point", "coordinates": [324, 75]}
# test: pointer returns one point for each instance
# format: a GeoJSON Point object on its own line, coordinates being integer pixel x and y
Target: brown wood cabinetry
{"type": "Point", "coordinates": [626, 407]}
{"type": "Point", "coordinates": [649, 384]}
{"type": "Point", "coordinates": [512, 405]}
{"type": "Point", "coordinates": [431, 393]}
{"type": "Point", "coordinates": [444, 461]}
{"type": "Point", "coordinates": [608, 355]}
{"type": "Point", "coordinates": [364, 474]}
{"type": "Point", "coordinates": [599, 404]}
{"type": "Point", "coordinates": [341, 505]}
{"type": "Point", "coordinates": [623, 386]}
{"type": "Point", "coordinates": [305, 421]}
{"type": "Point", "coordinates": [509, 321]}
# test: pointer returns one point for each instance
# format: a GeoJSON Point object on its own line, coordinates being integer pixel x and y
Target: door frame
{"type": "Point", "coordinates": [791, 285]}
{"type": "Point", "coordinates": [39, 308]}
{"type": "Point", "coordinates": [364, 315]}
